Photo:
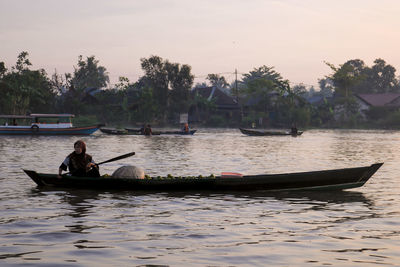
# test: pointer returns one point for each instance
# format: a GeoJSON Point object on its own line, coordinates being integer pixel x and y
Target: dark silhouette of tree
{"type": "Point", "coordinates": [170, 84]}
{"type": "Point", "coordinates": [89, 74]}
{"type": "Point", "coordinates": [23, 90]}
{"type": "Point", "coordinates": [217, 80]}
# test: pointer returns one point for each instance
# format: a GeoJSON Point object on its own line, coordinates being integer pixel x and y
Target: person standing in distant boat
{"type": "Point", "coordinates": [186, 128]}
{"type": "Point", "coordinates": [293, 130]}
{"type": "Point", "coordinates": [79, 163]}
{"type": "Point", "coordinates": [147, 130]}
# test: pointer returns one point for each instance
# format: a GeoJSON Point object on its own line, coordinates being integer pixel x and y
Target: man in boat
{"type": "Point", "coordinates": [293, 129]}
{"type": "Point", "coordinates": [185, 128]}
{"type": "Point", "coordinates": [147, 130]}
{"type": "Point", "coordinates": [79, 163]}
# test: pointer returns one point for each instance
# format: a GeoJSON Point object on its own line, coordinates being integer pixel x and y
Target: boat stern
{"type": "Point", "coordinates": [35, 177]}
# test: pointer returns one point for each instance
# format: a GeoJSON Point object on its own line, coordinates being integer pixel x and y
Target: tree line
{"type": "Point", "coordinates": [164, 92]}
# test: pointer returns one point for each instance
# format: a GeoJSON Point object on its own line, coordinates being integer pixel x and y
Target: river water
{"type": "Point", "coordinates": [57, 227]}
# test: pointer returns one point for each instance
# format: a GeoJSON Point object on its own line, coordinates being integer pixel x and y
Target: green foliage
{"type": "Point", "coordinates": [85, 120]}
{"type": "Point", "coordinates": [393, 120]}
{"type": "Point", "coordinates": [89, 74]}
{"type": "Point", "coordinates": [217, 80]}
{"type": "Point", "coordinates": [346, 76]}
{"type": "Point", "coordinates": [301, 115]}
{"type": "Point", "coordinates": [378, 113]}
{"type": "Point", "coordinates": [23, 90]}
{"type": "Point", "coordinates": [123, 83]}
{"type": "Point", "coordinates": [217, 120]}
{"type": "Point", "coordinates": [326, 87]}
{"type": "Point", "coordinates": [146, 109]}
{"type": "Point", "coordinates": [380, 78]}
{"type": "Point", "coordinates": [264, 73]}
{"type": "Point", "coordinates": [170, 83]}
{"type": "Point", "coordinates": [164, 92]}
{"type": "Point", "coordinates": [3, 69]}
{"type": "Point", "coordinates": [354, 77]}
{"type": "Point", "coordinates": [156, 77]}
{"type": "Point", "coordinates": [322, 115]}
{"type": "Point", "coordinates": [181, 81]}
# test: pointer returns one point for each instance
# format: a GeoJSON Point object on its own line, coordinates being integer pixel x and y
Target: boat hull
{"type": "Point", "coordinates": [114, 131]}
{"type": "Point", "coordinates": [316, 180]}
{"type": "Point", "coordinates": [132, 131]}
{"type": "Point", "coordinates": [191, 132]}
{"type": "Point", "coordinates": [268, 133]}
{"type": "Point", "coordinates": [7, 130]}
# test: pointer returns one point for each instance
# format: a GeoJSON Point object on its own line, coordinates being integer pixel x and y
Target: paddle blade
{"type": "Point", "coordinates": [118, 158]}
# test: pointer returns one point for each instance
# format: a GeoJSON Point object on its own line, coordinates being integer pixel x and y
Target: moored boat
{"type": "Point", "coordinates": [190, 132]}
{"type": "Point", "coordinates": [314, 180]}
{"type": "Point", "coordinates": [157, 132]}
{"type": "Point", "coordinates": [42, 124]}
{"type": "Point", "coordinates": [253, 132]}
{"type": "Point", "coordinates": [114, 131]}
{"type": "Point", "coordinates": [133, 131]}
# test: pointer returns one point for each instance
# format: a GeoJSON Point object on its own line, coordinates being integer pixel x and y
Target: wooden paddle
{"type": "Point", "coordinates": [117, 158]}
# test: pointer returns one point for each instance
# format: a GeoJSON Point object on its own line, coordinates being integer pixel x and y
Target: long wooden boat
{"type": "Point", "coordinates": [191, 132]}
{"type": "Point", "coordinates": [155, 132]}
{"type": "Point", "coordinates": [253, 132]}
{"type": "Point", "coordinates": [314, 180]}
{"type": "Point", "coordinates": [42, 124]}
{"type": "Point", "coordinates": [114, 131]}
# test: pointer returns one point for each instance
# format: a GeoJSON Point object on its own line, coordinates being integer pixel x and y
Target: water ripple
{"type": "Point", "coordinates": [52, 227]}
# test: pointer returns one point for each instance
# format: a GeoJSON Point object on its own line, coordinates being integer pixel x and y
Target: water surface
{"type": "Point", "coordinates": [58, 227]}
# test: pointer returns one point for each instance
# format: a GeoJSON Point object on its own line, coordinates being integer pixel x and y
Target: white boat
{"type": "Point", "coordinates": [42, 124]}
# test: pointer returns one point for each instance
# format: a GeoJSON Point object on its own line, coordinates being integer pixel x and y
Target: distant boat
{"type": "Point", "coordinates": [134, 131]}
{"type": "Point", "coordinates": [190, 132]}
{"type": "Point", "coordinates": [42, 124]}
{"type": "Point", "coordinates": [126, 131]}
{"type": "Point", "coordinates": [114, 131]}
{"type": "Point", "coordinates": [253, 132]}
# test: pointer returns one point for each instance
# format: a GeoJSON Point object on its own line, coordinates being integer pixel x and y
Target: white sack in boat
{"type": "Point", "coordinates": [129, 171]}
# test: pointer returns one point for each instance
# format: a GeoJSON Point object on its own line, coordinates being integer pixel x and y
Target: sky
{"type": "Point", "coordinates": [296, 37]}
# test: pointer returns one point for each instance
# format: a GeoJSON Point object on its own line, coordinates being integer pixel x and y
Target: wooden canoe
{"type": "Point", "coordinates": [157, 132]}
{"type": "Point", "coordinates": [314, 180]}
{"type": "Point", "coordinates": [191, 132]}
{"type": "Point", "coordinates": [253, 132]}
{"type": "Point", "coordinates": [113, 131]}
{"type": "Point", "coordinates": [125, 131]}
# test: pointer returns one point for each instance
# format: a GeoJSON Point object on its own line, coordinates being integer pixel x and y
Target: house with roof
{"type": "Point", "coordinates": [387, 101]}
{"type": "Point", "coordinates": [210, 101]}
{"type": "Point", "coordinates": [366, 102]}
{"type": "Point", "coordinates": [319, 100]}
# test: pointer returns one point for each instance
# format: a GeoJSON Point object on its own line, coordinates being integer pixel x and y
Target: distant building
{"type": "Point", "coordinates": [379, 100]}
{"type": "Point", "coordinates": [223, 105]}
{"type": "Point", "coordinates": [89, 95]}
{"type": "Point", "coordinates": [365, 102]}
{"type": "Point", "coordinates": [319, 100]}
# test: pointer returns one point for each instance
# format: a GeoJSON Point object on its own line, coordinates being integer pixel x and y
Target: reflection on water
{"type": "Point", "coordinates": [77, 227]}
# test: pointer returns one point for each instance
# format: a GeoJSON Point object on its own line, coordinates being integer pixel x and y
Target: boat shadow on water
{"type": "Point", "coordinates": [81, 204]}
{"type": "Point", "coordinates": [75, 197]}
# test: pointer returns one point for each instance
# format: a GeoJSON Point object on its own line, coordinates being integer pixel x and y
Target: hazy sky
{"type": "Point", "coordinates": [212, 36]}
